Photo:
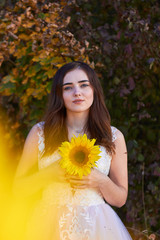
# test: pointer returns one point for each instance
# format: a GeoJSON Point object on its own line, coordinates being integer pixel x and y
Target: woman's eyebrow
{"type": "Point", "coordinates": [70, 83]}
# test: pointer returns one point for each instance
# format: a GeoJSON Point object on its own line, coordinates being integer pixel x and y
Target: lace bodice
{"type": "Point", "coordinates": [58, 193]}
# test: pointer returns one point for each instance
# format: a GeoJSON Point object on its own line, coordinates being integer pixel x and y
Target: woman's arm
{"type": "Point", "coordinates": [114, 187]}
{"type": "Point", "coordinates": [27, 181]}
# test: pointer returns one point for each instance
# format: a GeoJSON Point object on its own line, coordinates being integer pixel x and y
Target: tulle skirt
{"type": "Point", "coordinates": [72, 222]}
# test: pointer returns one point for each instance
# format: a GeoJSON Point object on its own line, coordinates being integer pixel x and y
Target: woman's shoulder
{"type": "Point", "coordinates": [39, 125]}
{"type": "Point", "coordinates": [116, 134]}
{"type": "Point", "coordinates": [37, 129]}
{"type": "Point", "coordinates": [36, 133]}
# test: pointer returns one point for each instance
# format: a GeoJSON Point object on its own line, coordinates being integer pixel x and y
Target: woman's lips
{"type": "Point", "coordinates": [78, 101]}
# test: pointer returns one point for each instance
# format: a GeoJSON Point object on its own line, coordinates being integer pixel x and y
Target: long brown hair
{"type": "Point", "coordinates": [98, 125]}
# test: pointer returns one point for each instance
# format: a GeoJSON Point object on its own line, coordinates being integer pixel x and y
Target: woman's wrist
{"type": "Point", "coordinates": [103, 181]}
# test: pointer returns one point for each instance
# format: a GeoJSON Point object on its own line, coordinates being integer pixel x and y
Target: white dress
{"type": "Point", "coordinates": [82, 215]}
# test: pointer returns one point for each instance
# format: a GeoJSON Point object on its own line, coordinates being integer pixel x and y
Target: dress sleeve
{"type": "Point", "coordinates": [114, 135]}
{"type": "Point", "coordinates": [41, 144]}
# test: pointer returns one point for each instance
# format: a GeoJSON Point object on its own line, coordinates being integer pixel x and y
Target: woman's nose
{"type": "Point", "coordinates": [77, 92]}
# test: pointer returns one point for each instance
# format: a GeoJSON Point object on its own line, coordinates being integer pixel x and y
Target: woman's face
{"type": "Point", "coordinates": [77, 91]}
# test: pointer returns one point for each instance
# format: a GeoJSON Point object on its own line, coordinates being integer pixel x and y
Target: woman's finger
{"type": "Point", "coordinates": [77, 186]}
{"type": "Point", "coordinates": [79, 182]}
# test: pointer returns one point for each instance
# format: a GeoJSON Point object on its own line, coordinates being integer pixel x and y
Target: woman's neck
{"type": "Point", "coordinates": [76, 122]}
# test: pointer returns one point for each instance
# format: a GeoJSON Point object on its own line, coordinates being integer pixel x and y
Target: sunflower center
{"type": "Point", "coordinates": [79, 157]}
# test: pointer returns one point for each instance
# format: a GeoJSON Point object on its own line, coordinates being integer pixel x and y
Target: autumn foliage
{"type": "Point", "coordinates": [34, 44]}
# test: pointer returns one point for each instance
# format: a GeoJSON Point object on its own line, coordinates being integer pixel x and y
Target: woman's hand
{"type": "Point", "coordinates": [93, 180]}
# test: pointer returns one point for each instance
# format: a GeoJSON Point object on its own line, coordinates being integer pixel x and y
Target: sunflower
{"type": "Point", "coordinates": [79, 155]}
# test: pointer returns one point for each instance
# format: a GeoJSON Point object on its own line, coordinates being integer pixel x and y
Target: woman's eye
{"type": "Point", "coordinates": [67, 88]}
{"type": "Point", "coordinates": [84, 85]}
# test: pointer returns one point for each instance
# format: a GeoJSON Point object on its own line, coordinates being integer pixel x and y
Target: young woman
{"type": "Point", "coordinates": [72, 208]}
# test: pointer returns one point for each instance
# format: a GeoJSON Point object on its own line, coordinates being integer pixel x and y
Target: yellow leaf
{"type": "Point", "coordinates": [30, 91]}
{"type": "Point", "coordinates": [28, 24]}
{"type": "Point", "coordinates": [44, 29]}
{"type": "Point", "coordinates": [8, 78]}
{"type": "Point", "coordinates": [1, 59]}
{"type": "Point", "coordinates": [24, 37]}
{"type": "Point", "coordinates": [59, 65]}
{"type": "Point", "coordinates": [54, 41]}
{"type": "Point", "coordinates": [63, 3]}
{"type": "Point", "coordinates": [11, 49]}
{"type": "Point", "coordinates": [22, 17]}
{"type": "Point", "coordinates": [20, 52]}
{"type": "Point", "coordinates": [43, 54]}
{"type": "Point", "coordinates": [51, 73]}
{"type": "Point", "coordinates": [2, 26]}
{"type": "Point", "coordinates": [25, 80]}
{"type": "Point", "coordinates": [25, 67]}
{"type": "Point", "coordinates": [24, 100]}
{"type": "Point", "coordinates": [47, 19]}
{"type": "Point", "coordinates": [36, 58]}
{"type": "Point", "coordinates": [16, 125]}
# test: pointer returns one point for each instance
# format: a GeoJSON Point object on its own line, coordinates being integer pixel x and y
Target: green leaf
{"type": "Point", "coordinates": [8, 85]}
{"type": "Point", "coordinates": [41, 16]}
{"type": "Point", "coordinates": [140, 157]}
{"type": "Point", "coordinates": [116, 80]}
{"type": "Point", "coordinates": [34, 69]}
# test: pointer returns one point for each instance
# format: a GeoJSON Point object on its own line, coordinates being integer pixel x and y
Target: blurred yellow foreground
{"type": "Point", "coordinates": [14, 209]}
